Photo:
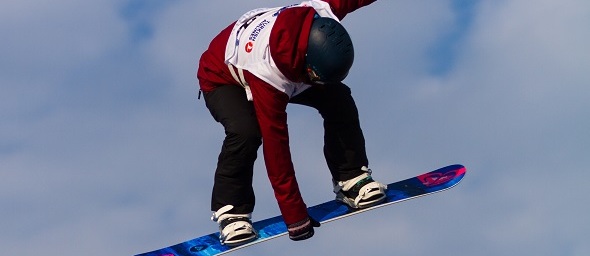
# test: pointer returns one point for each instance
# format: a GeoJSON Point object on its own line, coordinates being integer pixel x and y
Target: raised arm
{"type": "Point", "coordinates": [343, 7]}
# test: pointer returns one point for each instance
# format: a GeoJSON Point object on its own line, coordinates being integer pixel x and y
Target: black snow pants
{"type": "Point", "coordinates": [344, 143]}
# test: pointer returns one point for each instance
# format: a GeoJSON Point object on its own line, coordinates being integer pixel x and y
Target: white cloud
{"type": "Point", "coordinates": [104, 145]}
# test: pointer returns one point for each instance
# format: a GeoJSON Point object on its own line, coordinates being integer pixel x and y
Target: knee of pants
{"type": "Point", "coordinates": [244, 128]}
{"type": "Point", "coordinates": [242, 141]}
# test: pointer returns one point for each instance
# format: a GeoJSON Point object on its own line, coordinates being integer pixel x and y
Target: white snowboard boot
{"type": "Point", "coordinates": [361, 191]}
{"type": "Point", "coordinates": [234, 229]}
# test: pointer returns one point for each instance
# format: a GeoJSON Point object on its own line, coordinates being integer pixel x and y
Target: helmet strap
{"type": "Point", "coordinates": [313, 76]}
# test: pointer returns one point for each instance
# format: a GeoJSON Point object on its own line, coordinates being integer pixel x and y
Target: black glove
{"type": "Point", "coordinates": [303, 229]}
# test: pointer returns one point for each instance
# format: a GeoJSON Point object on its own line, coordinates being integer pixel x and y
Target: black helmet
{"type": "Point", "coordinates": [329, 51]}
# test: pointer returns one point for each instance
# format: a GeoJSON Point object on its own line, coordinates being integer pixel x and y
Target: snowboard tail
{"type": "Point", "coordinates": [421, 185]}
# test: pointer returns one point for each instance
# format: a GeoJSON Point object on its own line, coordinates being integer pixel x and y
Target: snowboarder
{"type": "Point", "coordinates": [257, 65]}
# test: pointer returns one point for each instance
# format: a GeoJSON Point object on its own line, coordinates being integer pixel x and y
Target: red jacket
{"type": "Point", "coordinates": [288, 45]}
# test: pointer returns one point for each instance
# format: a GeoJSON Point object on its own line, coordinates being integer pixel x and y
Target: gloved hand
{"type": "Point", "coordinates": [303, 229]}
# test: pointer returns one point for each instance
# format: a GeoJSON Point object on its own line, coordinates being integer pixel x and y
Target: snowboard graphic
{"type": "Point", "coordinates": [421, 185]}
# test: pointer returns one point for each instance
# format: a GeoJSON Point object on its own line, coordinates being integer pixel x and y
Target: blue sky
{"type": "Point", "coordinates": [443, 51]}
{"type": "Point", "coordinates": [106, 150]}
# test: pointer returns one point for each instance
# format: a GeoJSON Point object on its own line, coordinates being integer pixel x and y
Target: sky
{"type": "Point", "coordinates": [105, 148]}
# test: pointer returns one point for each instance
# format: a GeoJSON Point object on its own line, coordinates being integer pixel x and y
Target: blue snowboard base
{"type": "Point", "coordinates": [421, 185]}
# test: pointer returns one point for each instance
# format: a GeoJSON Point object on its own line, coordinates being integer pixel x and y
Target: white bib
{"type": "Point", "coordinates": [248, 47]}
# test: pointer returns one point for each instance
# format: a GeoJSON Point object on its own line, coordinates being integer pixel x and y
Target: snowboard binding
{"type": "Point", "coordinates": [361, 191]}
{"type": "Point", "coordinates": [234, 229]}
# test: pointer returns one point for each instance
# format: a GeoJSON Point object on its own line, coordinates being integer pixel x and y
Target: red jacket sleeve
{"type": "Point", "coordinates": [270, 105]}
{"type": "Point", "coordinates": [343, 7]}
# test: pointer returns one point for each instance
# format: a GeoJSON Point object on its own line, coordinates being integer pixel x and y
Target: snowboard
{"type": "Point", "coordinates": [421, 185]}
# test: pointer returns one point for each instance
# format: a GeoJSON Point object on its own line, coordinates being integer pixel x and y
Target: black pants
{"type": "Point", "coordinates": [344, 144]}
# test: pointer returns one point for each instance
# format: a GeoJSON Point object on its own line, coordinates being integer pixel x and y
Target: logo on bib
{"type": "Point", "coordinates": [249, 47]}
